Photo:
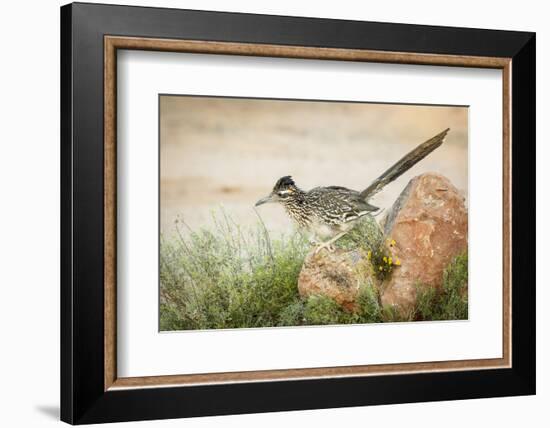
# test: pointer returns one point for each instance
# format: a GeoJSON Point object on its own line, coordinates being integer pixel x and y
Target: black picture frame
{"type": "Point", "coordinates": [83, 398]}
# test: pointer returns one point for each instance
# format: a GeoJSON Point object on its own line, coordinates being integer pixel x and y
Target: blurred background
{"type": "Point", "coordinates": [229, 152]}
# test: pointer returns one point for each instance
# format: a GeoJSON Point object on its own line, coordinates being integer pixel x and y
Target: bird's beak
{"type": "Point", "coordinates": [268, 198]}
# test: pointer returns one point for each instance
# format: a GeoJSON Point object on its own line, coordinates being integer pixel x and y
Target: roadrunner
{"type": "Point", "coordinates": [328, 213]}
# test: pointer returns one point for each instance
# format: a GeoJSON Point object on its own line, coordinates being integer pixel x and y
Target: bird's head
{"type": "Point", "coordinates": [284, 189]}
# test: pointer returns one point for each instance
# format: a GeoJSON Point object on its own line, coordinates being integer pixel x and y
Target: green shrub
{"type": "Point", "coordinates": [368, 236]}
{"type": "Point", "coordinates": [229, 278]}
{"type": "Point", "coordinates": [451, 301]}
{"type": "Point", "coordinates": [322, 310]}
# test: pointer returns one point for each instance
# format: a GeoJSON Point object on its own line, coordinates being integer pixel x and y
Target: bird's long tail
{"type": "Point", "coordinates": [404, 164]}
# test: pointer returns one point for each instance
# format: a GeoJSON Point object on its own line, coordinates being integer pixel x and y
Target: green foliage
{"type": "Point", "coordinates": [233, 278]}
{"type": "Point", "coordinates": [368, 306]}
{"type": "Point", "coordinates": [368, 236]}
{"type": "Point", "coordinates": [228, 278]}
{"type": "Point", "coordinates": [393, 314]}
{"type": "Point", "coordinates": [322, 310]}
{"type": "Point", "coordinates": [293, 314]}
{"type": "Point", "coordinates": [451, 301]}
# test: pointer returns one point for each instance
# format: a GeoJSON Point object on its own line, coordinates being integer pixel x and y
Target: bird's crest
{"type": "Point", "coordinates": [284, 183]}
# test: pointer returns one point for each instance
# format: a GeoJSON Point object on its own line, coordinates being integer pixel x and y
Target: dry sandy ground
{"type": "Point", "coordinates": [229, 152]}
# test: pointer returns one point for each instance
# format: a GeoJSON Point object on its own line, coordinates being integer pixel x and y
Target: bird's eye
{"type": "Point", "coordinates": [284, 193]}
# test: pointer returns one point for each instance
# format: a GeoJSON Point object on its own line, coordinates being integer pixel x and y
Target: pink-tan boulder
{"type": "Point", "coordinates": [429, 224]}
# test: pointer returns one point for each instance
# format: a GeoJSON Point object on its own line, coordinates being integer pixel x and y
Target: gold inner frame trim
{"type": "Point", "coordinates": [113, 43]}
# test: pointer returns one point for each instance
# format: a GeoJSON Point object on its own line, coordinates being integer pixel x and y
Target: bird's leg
{"type": "Point", "coordinates": [311, 240]}
{"type": "Point", "coordinates": [328, 244]}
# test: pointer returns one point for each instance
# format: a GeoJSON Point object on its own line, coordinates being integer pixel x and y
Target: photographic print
{"type": "Point", "coordinates": [286, 213]}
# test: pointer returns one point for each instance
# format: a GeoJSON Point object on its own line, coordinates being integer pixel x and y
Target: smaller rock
{"type": "Point", "coordinates": [339, 275]}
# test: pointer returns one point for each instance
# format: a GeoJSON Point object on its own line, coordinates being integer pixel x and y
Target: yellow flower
{"type": "Point", "coordinates": [390, 261]}
{"type": "Point", "coordinates": [369, 254]}
{"type": "Point", "coordinates": [385, 259]}
{"type": "Point", "coordinates": [398, 262]}
{"type": "Point", "coordinates": [392, 243]}
{"type": "Point", "coordinates": [380, 268]}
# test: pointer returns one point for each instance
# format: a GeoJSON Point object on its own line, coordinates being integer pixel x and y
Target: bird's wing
{"type": "Point", "coordinates": [341, 204]}
{"type": "Point", "coordinates": [340, 189]}
{"type": "Point", "coordinates": [404, 164]}
{"type": "Point", "coordinates": [354, 198]}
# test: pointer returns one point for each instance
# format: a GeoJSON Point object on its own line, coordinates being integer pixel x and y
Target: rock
{"type": "Point", "coordinates": [429, 223]}
{"type": "Point", "coordinates": [339, 275]}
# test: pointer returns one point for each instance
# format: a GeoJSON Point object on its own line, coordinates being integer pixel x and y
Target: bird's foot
{"type": "Point", "coordinates": [326, 245]}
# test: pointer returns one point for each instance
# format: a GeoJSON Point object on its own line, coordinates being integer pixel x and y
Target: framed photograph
{"type": "Point", "coordinates": [265, 213]}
